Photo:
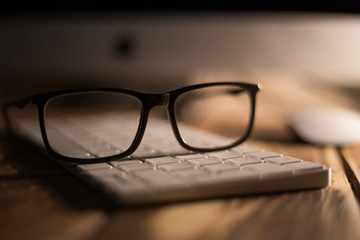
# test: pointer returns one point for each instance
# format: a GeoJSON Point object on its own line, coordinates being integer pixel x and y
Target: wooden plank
{"type": "Point", "coordinates": [351, 155]}
{"type": "Point", "coordinates": [328, 213]}
{"type": "Point", "coordinates": [39, 200]}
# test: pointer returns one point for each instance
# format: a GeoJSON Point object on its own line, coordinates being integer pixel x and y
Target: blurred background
{"type": "Point", "coordinates": [96, 42]}
{"type": "Point", "coordinates": [158, 46]}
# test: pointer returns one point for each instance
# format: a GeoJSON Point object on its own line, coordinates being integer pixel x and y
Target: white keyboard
{"type": "Point", "coordinates": [162, 171]}
{"type": "Point", "coordinates": [241, 170]}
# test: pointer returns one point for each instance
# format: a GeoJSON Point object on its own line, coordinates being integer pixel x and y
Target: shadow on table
{"type": "Point", "coordinates": [20, 160]}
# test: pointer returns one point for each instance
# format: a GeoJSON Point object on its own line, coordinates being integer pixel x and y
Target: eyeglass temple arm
{"type": "Point", "coordinates": [229, 91]}
{"type": "Point", "coordinates": [235, 91]}
{"type": "Point", "coordinates": [19, 104]}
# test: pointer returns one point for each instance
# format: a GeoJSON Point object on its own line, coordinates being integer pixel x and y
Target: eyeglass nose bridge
{"type": "Point", "coordinates": [158, 100]}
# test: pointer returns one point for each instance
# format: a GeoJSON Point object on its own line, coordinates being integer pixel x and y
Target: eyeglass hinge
{"type": "Point", "coordinates": [165, 99]}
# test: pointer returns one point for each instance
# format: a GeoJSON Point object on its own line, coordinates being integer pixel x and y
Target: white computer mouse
{"type": "Point", "coordinates": [327, 126]}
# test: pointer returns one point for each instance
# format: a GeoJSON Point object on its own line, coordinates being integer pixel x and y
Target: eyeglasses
{"type": "Point", "coordinates": [222, 104]}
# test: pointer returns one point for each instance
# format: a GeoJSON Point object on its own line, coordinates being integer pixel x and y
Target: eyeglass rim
{"type": "Point", "coordinates": [251, 89]}
{"type": "Point", "coordinates": [41, 100]}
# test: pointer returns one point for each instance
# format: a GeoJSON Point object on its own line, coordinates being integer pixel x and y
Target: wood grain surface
{"type": "Point", "coordinates": [40, 200]}
{"type": "Point", "coordinates": [48, 203]}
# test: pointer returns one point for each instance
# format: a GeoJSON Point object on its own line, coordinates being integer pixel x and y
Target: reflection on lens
{"type": "Point", "coordinates": [222, 109]}
{"type": "Point", "coordinates": [81, 125]}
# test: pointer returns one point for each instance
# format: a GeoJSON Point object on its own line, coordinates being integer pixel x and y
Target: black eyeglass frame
{"type": "Point", "coordinates": [148, 101]}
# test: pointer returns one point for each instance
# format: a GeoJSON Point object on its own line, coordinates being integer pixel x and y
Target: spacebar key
{"type": "Point", "coordinates": [159, 178]}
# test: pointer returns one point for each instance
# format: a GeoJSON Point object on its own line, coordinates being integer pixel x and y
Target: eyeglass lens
{"type": "Point", "coordinates": [82, 125]}
{"type": "Point", "coordinates": [222, 109]}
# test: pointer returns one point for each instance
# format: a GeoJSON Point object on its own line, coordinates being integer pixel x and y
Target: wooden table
{"type": "Point", "coordinates": [40, 200]}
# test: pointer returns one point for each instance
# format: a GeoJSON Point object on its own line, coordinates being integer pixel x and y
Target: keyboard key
{"type": "Point", "coordinates": [83, 155]}
{"type": "Point", "coordinates": [263, 154]}
{"type": "Point", "coordinates": [135, 167]}
{"type": "Point", "coordinates": [268, 170]}
{"type": "Point", "coordinates": [243, 149]}
{"type": "Point", "coordinates": [191, 156]}
{"type": "Point", "coordinates": [110, 152]}
{"type": "Point", "coordinates": [119, 163]}
{"type": "Point", "coordinates": [220, 167]}
{"type": "Point", "coordinates": [170, 147]}
{"type": "Point", "coordinates": [95, 147]}
{"type": "Point", "coordinates": [146, 151]}
{"type": "Point", "coordinates": [225, 154]}
{"type": "Point", "coordinates": [161, 160]}
{"type": "Point", "coordinates": [283, 160]}
{"type": "Point", "coordinates": [94, 166]}
{"type": "Point", "coordinates": [244, 160]}
{"type": "Point", "coordinates": [301, 167]}
{"type": "Point", "coordinates": [175, 166]}
{"type": "Point", "coordinates": [63, 143]}
{"type": "Point", "coordinates": [204, 161]}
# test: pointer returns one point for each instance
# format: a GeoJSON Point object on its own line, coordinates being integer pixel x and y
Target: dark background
{"type": "Point", "coordinates": [95, 7]}
{"type": "Point", "coordinates": [99, 41]}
